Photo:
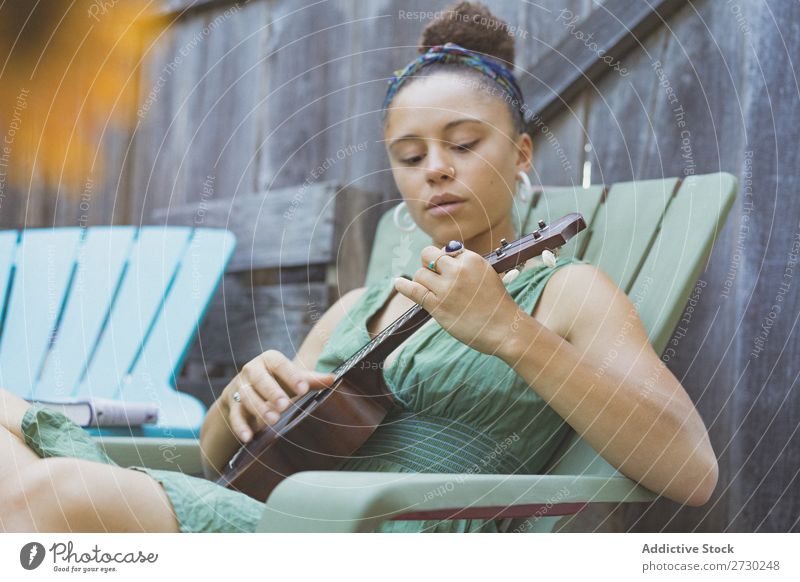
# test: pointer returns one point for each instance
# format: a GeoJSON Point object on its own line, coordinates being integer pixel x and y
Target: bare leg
{"type": "Point", "coordinates": [14, 453]}
{"type": "Point", "coordinates": [15, 456]}
{"type": "Point", "coordinates": [63, 494]}
{"type": "Point", "coordinates": [12, 409]}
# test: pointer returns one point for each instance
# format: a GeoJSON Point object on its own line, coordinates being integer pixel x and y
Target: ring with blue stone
{"type": "Point", "coordinates": [454, 248]}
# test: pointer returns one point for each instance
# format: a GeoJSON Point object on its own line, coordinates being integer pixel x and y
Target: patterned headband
{"type": "Point", "coordinates": [452, 53]}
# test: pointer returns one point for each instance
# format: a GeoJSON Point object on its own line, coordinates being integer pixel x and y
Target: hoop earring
{"type": "Point", "coordinates": [396, 217]}
{"type": "Point", "coordinates": [524, 190]}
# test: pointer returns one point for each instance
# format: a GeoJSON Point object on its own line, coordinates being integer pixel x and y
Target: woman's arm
{"type": "Point", "coordinates": [218, 441]}
{"type": "Point", "coordinates": [607, 382]}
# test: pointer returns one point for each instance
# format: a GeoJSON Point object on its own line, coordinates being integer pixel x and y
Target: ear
{"type": "Point", "coordinates": [524, 152]}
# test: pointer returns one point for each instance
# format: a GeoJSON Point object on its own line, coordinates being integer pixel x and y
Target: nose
{"type": "Point", "coordinates": [439, 168]}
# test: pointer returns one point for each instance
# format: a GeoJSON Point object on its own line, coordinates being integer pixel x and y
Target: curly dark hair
{"type": "Point", "coordinates": [473, 26]}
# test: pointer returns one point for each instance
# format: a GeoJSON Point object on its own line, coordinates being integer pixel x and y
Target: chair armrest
{"type": "Point", "coordinates": [359, 501]}
{"type": "Point", "coordinates": [172, 454]}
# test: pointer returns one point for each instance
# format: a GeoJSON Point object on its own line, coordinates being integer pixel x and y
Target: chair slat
{"type": "Point", "coordinates": [44, 264]}
{"type": "Point", "coordinates": [153, 377]}
{"type": "Point", "coordinates": [675, 262]}
{"type": "Point", "coordinates": [555, 202]}
{"type": "Point", "coordinates": [8, 247]}
{"type": "Point", "coordinates": [155, 258]}
{"type": "Point", "coordinates": [101, 259]}
{"type": "Point", "coordinates": [198, 277]}
{"type": "Point", "coordinates": [625, 226]}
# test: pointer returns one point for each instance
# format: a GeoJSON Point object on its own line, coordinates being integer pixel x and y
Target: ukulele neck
{"type": "Point", "coordinates": [376, 351]}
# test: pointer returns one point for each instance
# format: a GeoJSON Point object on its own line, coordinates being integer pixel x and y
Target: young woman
{"type": "Point", "coordinates": [491, 384]}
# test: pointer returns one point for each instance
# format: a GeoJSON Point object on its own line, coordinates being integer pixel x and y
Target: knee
{"type": "Point", "coordinates": [20, 498]}
{"type": "Point", "coordinates": [44, 496]}
{"type": "Point", "coordinates": [12, 410]}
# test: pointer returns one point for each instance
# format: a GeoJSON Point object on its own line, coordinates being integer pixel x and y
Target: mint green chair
{"type": "Point", "coordinates": [110, 312]}
{"type": "Point", "coordinates": [653, 238]}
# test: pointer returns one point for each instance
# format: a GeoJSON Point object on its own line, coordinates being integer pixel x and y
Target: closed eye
{"type": "Point", "coordinates": [464, 147]}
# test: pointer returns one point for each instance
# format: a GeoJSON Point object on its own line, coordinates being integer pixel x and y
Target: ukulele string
{"type": "Point", "coordinates": [351, 362]}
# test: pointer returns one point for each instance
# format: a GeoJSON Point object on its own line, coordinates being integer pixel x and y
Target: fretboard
{"type": "Point", "coordinates": [387, 340]}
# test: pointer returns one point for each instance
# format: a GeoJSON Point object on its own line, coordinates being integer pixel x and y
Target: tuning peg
{"type": "Point", "coordinates": [510, 276]}
{"type": "Point", "coordinates": [549, 258]}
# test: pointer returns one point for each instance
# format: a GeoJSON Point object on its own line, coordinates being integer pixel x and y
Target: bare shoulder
{"type": "Point", "coordinates": [349, 299]}
{"type": "Point", "coordinates": [578, 296]}
{"type": "Point", "coordinates": [336, 312]}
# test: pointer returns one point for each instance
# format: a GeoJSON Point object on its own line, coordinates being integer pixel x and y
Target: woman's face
{"type": "Point", "coordinates": [445, 136]}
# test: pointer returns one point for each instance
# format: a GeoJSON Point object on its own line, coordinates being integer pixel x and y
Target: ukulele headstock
{"type": "Point", "coordinates": [545, 241]}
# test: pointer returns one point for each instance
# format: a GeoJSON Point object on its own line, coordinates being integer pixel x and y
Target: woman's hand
{"type": "Point", "coordinates": [266, 386]}
{"type": "Point", "coordinates": [467, 298]}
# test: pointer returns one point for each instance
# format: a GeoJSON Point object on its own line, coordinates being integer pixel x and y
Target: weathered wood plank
{"type": "Point", "coordinates": [295, 115]}
{"type": "Point", "coordinates": [244, 321]}
{"type": "Point", "coordinates": [558, 142]}
{"type": "Point", "coordinates": [593, 47]}
{"type": "Point", "coordinates": [159, 135]}
{"type": "Point", "coordinates": [621, 121]}
{"type": "Point", "coordinates": [764, 443]}
{"type": "Point", "coordinates": [290, 227]}
{"type": "Point", "coordinates": [223, 142]}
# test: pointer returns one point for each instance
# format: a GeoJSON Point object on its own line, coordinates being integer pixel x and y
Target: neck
{"type": "Point", "coordinates": [488, 240]}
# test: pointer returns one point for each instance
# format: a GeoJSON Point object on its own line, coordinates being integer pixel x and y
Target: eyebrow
{"type": "Point", "coordinates": [447, 126]}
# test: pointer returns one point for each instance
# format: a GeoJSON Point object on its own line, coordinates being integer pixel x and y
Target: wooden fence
{"type": "Point", "coordinates": [243, 104]}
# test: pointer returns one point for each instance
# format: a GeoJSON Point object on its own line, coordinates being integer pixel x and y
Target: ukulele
{"type": "Point", "coordinates": [324, 427]}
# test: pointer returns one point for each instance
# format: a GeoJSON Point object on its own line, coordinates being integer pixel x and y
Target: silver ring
{"type": "Point", "coordinates": [237, 397]}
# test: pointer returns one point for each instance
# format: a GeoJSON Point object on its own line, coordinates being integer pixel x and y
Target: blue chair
{"type": "Point", "coordinates": [109, 312]}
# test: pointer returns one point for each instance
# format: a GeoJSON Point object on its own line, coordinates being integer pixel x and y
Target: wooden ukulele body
{"type": "Point", "coordinates": [336, 421]}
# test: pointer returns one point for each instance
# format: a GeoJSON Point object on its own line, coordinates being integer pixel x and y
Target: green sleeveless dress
{"type": "Point", "coordinates": [457, 411]}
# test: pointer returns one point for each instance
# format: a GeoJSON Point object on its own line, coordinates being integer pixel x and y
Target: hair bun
{"type": "Point", "coordinates": [473, 26]}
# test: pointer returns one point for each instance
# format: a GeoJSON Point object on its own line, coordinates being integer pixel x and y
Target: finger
{"type": "Point", "coordinates": [284, 371]}
{"type": "Point", "coordinates": [255, 405]}
{"type": "Point", "coordinates": [239, 425]}
{"type": "Point", "coordinates": [430, 280]}
{"type": "Point", "coordinates": [413, 290]}
{"type": "Point", "coordinates": [274, 396]}
{"type": "Point", "coordinates": [431, 254]}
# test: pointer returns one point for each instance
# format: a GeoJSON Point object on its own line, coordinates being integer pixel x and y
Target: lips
{"type": "Point", "coordinates": [445, 209]}
{"type": "Point", "coordinates": [442, 199]}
